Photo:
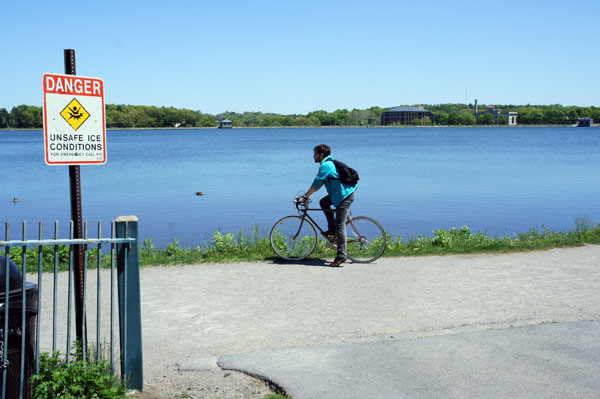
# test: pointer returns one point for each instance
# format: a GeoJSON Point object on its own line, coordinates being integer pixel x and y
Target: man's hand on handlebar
{"type": "Point", "coordinates": [302, 200]}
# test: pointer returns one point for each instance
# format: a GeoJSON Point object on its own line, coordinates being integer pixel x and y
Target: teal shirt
{"type": "Point", "coordinates": [336, 189]}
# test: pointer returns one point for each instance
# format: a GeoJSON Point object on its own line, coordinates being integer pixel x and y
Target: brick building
{"type": "Point", "coordinates": [404, 115]}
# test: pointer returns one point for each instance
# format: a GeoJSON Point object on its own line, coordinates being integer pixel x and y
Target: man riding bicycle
{"type": "Point", "coordinates": [339, 195]}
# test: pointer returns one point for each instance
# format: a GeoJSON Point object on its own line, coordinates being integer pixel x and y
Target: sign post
{"type": "Point", "coordinates": [74, 134]}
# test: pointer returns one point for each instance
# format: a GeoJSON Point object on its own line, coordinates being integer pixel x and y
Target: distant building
{"type": "Point", "coordinates": [404, 115]}
{"type": "Point", "coordinates": [585, 122]}
{"type": "Point", "coordinates": [225, 124]}
{"type": "Point", "coordinates": [511, 116]}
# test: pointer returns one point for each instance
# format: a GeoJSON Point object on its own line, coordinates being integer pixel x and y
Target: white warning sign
{"type": "Point", "coordinates": [74, 120]}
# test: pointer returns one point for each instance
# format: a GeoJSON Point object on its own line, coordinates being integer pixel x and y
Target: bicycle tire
{"type": "Point", "coordinates": [365, 239]}
{"type": "Point", "coordinates": [293, 238]}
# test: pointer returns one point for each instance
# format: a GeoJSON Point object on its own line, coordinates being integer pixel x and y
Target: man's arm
{"type": "Point", "coordinates": [310, 191]}
{"type": "Point", "coordinates": [325, 170]}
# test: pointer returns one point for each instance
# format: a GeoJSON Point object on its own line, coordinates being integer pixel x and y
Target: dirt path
{"type": "Point", "coordinates": [192, 315]}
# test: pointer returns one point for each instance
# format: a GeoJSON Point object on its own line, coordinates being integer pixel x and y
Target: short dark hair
{"type": "Point", "coordinates": [323, 149]}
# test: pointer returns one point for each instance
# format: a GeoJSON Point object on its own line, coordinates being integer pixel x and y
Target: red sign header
{"type": "Point", "coordinates": [74, 85]}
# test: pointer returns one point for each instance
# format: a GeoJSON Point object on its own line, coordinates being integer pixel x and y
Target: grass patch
{"type": "Point", "coordinates": [465, 241]}
{"type": "Point", "coordinates": [253, 246]}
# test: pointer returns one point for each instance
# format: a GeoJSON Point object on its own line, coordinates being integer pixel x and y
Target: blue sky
{"type": "Point", "coordinates": [295, 57]}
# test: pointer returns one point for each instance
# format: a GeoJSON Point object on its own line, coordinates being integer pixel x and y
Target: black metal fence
{"type": "Point", "coordinates": [25, 306]}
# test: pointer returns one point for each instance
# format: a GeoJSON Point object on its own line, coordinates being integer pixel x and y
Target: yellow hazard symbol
{"type": "Point", "coordinates": [75, 114]}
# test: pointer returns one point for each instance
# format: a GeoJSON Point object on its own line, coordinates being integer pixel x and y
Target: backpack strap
{"type": "Point", "coordinates": [329, 177]}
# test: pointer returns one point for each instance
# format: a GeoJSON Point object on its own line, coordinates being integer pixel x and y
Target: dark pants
{"type": "Point", "coordinates": [337, 222]}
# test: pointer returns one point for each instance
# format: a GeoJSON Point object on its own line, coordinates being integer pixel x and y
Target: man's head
{"type": "Point", "coordinates": [322, 151]}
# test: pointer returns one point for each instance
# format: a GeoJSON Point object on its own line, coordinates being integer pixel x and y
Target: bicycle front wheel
{"type": "Point", "coordinates": [366, 239]}
{"type": "Point", "coordinates": [293, 238]}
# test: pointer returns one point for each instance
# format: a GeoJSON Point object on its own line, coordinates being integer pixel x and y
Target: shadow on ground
{"type": "Point", "coordinates": [303, 262]}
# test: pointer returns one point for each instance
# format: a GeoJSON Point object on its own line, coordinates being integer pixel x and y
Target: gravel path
{"type": "Point", "coordinates": [192, 315]}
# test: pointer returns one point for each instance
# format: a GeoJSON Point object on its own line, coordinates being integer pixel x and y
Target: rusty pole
{"type": "Point", "coordinates": [76, 216]}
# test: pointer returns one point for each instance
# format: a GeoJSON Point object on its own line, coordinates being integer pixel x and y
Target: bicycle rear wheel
{"type": "Point", "coordinates": [293, 238]}
{"type": "Point", "coordinates": [366, 239]}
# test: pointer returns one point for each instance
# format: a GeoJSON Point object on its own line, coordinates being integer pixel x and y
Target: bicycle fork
{"type": "Point", "coordinates": [299, 230]}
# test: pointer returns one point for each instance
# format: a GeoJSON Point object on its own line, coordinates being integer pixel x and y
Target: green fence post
{"type": "Point", "coordinates": [130, 315]}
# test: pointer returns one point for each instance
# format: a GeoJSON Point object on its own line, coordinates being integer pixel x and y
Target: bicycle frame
{"type": "Point", "coordinates": [305, 215]}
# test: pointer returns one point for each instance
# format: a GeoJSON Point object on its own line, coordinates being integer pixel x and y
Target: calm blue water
{"type": "Point", "coordinates": [413, 180]}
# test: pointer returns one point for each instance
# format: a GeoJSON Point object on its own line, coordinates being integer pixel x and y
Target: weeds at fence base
{"type": "Point", "coordinates": [78, 379]}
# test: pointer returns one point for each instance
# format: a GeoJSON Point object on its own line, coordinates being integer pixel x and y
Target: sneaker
{"type": "Point", "coordinates": [337, 262]}
{"type": "Point", "coordinates": [329, 233]}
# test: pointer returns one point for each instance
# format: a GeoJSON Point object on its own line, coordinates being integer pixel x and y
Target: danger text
{"type": "Point", "coordinates": [72, 85]}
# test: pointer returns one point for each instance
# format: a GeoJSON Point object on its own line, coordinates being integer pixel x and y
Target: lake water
{"type": "Point", "coordinates": [413, 180]}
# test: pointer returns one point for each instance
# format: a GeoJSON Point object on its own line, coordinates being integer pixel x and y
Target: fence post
{"type": "Point", "coordinates": [130, 317]}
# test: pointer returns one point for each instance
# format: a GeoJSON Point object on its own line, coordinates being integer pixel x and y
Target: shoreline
{"type": "Point", "coordinates": [315, 127]}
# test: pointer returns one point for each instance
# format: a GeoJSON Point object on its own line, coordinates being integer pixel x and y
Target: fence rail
{"type": "Point", "coordinates": [123, 246]}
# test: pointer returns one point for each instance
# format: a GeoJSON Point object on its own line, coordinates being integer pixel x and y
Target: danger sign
{"type": "Point", "coordinates": [74, 120]}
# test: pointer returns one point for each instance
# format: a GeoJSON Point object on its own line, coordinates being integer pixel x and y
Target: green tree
{"type": "Point", "coordinates": [467, 118]}
{"type": "Point", "coordinates": [374, 117]}
{"type": "Point", "coordinates": [572, 116]}
{"type": "Point", "coordinates": [595, 114]}
{"type": "Point", "coordinates": [530, 116]}
{"type": "Point", "coordinates": [554, 115]}
{"type": "Point", "coordinates": [4, 118]}
{"type": "Point", "coordinates": [278, 121]}
{"type": "Point", "coordinates": [26, 116]}
{"type": "Point", "coordinates": [146, 117]}
{"type": "Point", "coordinates": [120, 118]}
{"type": "Point", "coordinates": [325, 119]}
{"type": "Point", "coordinates": [417, 122]}
{"type": "Point", "coordinates": [454, 118]}
{"type": "Point", "coordinates": [207, 121]}
{"type": "Point", "coordinates": [502, 120]}
{"type": "Point", "coordinates": [267, 120]}
{"type": "Point", "coordinates": [288, 120]}
{"type": "Point", "coordinates": [486, 119]}
{"type": "Point", "coordinates": [440, 117]}
{"type": "Point", "coordinates": [303, 121]}
{"type": "Point", "coordinates": [340, 117]}
{"type": "Point", "coordinates": [170, 117]}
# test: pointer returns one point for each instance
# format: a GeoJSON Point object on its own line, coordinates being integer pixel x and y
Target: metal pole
{"type": "Point", "coordinates": [23, 311]}
{"type": "Point", "coordinates": [39, 304]}
{"type": "Point", "coordinates": [98, 282]}
{"type": "Point", "coordinates": [76, 216]}
{"type": "Point", "coordinates": [130, 315]}
{"type": "Point", "coordinates": [4, 365]}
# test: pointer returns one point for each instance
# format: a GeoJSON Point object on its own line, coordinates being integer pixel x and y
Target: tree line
{"type": "Point", "coordinates": [140, 116]}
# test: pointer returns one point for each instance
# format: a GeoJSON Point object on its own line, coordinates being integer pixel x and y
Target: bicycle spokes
{"type": "Point", "coordinates": [366, 239]}
{"type": "Point", "coordinates": [293, 238]}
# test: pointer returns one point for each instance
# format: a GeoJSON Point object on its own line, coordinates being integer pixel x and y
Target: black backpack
{"type": "Point", "coordinates": [348, 176]}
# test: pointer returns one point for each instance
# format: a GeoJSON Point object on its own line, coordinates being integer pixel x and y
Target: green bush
{"type": "Point", "coordinates": [79, 379]}
{"type": "Point", "coordinates": [255, 245]}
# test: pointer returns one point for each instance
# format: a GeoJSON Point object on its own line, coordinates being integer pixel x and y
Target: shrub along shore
{"type": "Point", "coordinates": [252, 246]}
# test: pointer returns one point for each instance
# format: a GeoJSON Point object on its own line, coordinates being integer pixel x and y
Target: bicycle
{"type": "Point", "coordinates": [295, 237]}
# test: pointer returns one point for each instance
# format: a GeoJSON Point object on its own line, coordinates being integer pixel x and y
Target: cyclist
{"type": "Point", "coordinates": [339, 195]}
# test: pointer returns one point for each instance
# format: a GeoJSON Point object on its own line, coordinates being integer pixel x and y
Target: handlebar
{"type": "Point", "coordinates": [301, 203]}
